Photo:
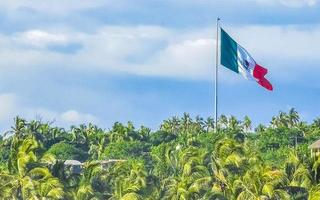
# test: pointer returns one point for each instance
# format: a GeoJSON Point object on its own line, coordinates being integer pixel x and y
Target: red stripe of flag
{"type": "Point", "coordinates": [259, 73]}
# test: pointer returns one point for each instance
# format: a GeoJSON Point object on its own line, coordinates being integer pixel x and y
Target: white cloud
{"type": "Point", "coordinates": [10, 107]}
{"type": "Point", "coordinates": [289, 3]}
{"type": "Point", "coordinates": [40, 38]}
{"type": "Point", "coordinates": [285, 3]}
{"type": "Point", "coordinates": [159, 51]}
{"type": "Point", "coordinates": [54, 6]}
{"type": "Point", "coordinates": [144, 50]}
{"type": "Point", "coordinates": [65, 119]}
{"type": "Point", "coordinates": [74, 116]}
{"type": "Point", "coordinates": [189, 58]}
{"type": "Point", "coordinates": [288, 51]}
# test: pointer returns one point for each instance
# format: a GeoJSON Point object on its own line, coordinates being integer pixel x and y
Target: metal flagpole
{"type": "Point", "coordinates": [216, 77]}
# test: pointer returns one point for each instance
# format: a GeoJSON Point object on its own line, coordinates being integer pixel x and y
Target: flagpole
{"type": "Point", "coordinates": [216, 78]}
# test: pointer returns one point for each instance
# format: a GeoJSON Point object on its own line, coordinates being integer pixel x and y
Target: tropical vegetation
{"type": "Point", "coordinates": [186, 158]}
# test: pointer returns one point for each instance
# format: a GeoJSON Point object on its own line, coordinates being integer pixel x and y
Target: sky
{"type": "Point", "coordinates": [102, 61]}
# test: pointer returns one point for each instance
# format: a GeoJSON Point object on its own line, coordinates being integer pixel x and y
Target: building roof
{"type": "Point", "coordinates": [315, 145]}
{"type": "Point", "coordinates": [72, 162]}
{"type": "Point", "coordinates": [110, 161]}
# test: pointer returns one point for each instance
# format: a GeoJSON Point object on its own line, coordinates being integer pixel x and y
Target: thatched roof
{"type": "Point", "coordinates": [315, 145]}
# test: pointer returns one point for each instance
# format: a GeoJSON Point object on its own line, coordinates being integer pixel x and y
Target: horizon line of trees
{"type": "Point", "coordinates": [185, 159]}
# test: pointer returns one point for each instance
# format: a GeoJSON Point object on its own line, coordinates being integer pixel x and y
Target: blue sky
{"type": "Point", "coordinates": [103, 61]}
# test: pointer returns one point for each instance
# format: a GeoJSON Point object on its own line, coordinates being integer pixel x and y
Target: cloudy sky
{"type": "Point", "coordinates": [103, 61]}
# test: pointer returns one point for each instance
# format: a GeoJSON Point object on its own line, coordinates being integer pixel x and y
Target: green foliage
{"type": "Point", "coordinates": [4, 152]}
{"type": "Point", "coordinates": [125, 150]}
{"type": "Point", "coordinates": [184, 159]}
{"type": "Point", "coordinates": [161, 136]}
{"type": "Point", "coordinates": [66, 151]}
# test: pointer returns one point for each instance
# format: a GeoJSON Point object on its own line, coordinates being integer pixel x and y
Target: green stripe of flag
{"type": "Point", "coordinates": [228, 52]}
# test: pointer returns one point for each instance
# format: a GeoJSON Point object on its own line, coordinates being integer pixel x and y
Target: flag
{"type": "Point", "coordinates": [237, 59]}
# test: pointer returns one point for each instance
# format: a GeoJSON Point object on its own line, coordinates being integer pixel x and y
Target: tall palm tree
{"type": "Point", "coordinates": [19, 128]}
{"type": "Point", "coordinates": [223, 121]}
{"type": "Point", "coordinates": [247, 123]}
{"type": "Point", "coordinates": [261, 184]}
{"type": "Point", "coordinates": [209, 124]}
{"type": "Point", "coordinates": [299, 176]}
{"type": "Point", "coordinates": [175, 124]}
{"type": "Point", "coordinates": [25, 182]}
{"type": "Point", "coordinates": [303, 128]}
{"type": "Point", "coordinates": [144, 133]}
{"type": "Point", "coordinates": [127, 180]}
{"type": "Point", "coordinates": [280, 121]}
{"type": "Point", "coordinates": [283, 119]}
{"type": "Point", "coordinates": [186, 122]}
{"type": "Point", "coordinates": [97, 147]}
{"type": "Point", "coordinates": [260, 128]}
{"type": "Point", "coordinates": [274, 122]}
{"type": "Point", "coordinates": [118, 133]}
{"type": "Point", "coordinates": [199, 124]}
{"type": "Point", "coordinates": [230, 154]}
{"type": "Point", "coordinates": [191, 179]}
{"type": "Point", "coordinates": [293, 117]}
{"type": "Point", "coordinates": [168, 126]}
{"type": "Point", "coordinates": [84, 189]}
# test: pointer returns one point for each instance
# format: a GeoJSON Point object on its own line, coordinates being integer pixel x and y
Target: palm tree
{"type": "Point", "coordinates": [118, 133]}
{"type": "Point", "coordinates": [293, 117]}
{"type": "Point", "coordinates": [263, 183]}
{"type": "Point", "coordinates": [314, 193]}
{"type": "Point", "coordinates": [299, 176]}
{"type": "Point", "coordinates": [171, 125]}
{"type": "Point", "coordinates": [209, 124]}
{"type": "Point", "coordinates": [144, 133]}
{"type": "Point", "coordinates": [316, 167]}
{"type": "Point", "coordinates": [84, 189]}
{"type": "Point", "coordinates": [127, 180]}
{"type": "Point", "coordinates": [274, 122]}
{"type": "Point", "coordinates": [303, 128]}
{"type": "Point", "coordinates": [316, 123]}
{"type": "Point", "coordinates": [191, 179]}
{"type": "Point", "coordinates": [19, 128]}
{"type": "Point", "coordinates": [199, 124]}
{"type": "Point", "coordinates": [230, 161]}
{"type": "Point", "coordinates": [221, 184]}
{"type": "Point", "coordinates": [247, 123]}
{"type": "Point", "coordinates": [283, 119]}
{"type": "Point", "coordinates": [230, 154]}
{"type": "Point", "coordinates": [175, 124]}
{"type": "Point", "coordinates": [97, 147]}
{"type": "Point", "coordinates": [186, 122]}
{"type": "Point", "coordinates": [23, 182]}
{"type": "Point", "coordinates": [260, 128]}
{"type": "Point", "coordinates": [223, 121]}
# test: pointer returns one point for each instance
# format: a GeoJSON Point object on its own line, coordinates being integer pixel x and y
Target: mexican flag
{"type": "Point", "coordinates": [237, 59]}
